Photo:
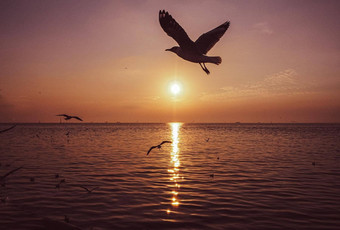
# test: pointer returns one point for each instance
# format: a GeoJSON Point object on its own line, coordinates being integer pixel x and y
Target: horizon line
{"type": "Point", "coordinates": [75, 123]}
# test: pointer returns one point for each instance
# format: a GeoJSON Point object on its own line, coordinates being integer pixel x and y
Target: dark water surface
{"type": "Point", "coordinates": [247, 176]}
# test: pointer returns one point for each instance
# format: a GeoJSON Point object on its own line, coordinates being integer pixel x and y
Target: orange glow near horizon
{"type": "Point", "coordinates": [106, 62]}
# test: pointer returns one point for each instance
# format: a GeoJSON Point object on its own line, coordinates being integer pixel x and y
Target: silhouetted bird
{"type": "Point", "coordinates": [88, 190]}
{"type": "Point", "coordinates": [218, 158]}
{"type": "Point", "coordinates": [4, 130]}
{"type": "Point", "coordinates": [67, 117]}
{"type": "Point", "coordinates": [57, 175]}
{"type": "Point", "coordinates": [212, 175]}
{"type": "Point", "coordinates": [189, 50]}
{"type": "Point", "coordinates": [313, 163]}
{"type": "Point", "coordinates": [207, 140]}
{"type": "Point", "coordinates": [60, 182]}
{"type": "Point", "coordinates": [158, 146]}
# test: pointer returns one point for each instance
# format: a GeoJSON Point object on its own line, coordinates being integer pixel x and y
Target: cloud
{"type": "Point", "coordinates": [282, 83]}
{"type": "Point", "coordinates": [263, 27]}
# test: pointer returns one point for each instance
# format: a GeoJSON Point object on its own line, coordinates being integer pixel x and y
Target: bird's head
{"type": "Point", "coordinates": [174, 49]}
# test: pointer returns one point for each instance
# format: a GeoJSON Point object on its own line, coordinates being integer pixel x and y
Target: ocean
{"type": "Point", "coordinates": [212, 176]}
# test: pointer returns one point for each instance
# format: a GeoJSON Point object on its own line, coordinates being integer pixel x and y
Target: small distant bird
{"type": "Point", "coordinates": [5, 130]}
{"type": "Point", "coordinates": [32, 179]}
{"type": "Point", "coordinates": [88, 190]}
{"type": "Point", "coordinates": [60, 182]}
{"type": "Point", "coordinates": [158, 146]}
{"type": "Point", "coordinates": [207, 140]}
{"type": "Point", "coordinates": [68, 133]}
{"type": "Point", "coordinates": [57, 175]}
{"type": "Point", "coordinates": [189, 50]}
{"type": "Point", "coordinates": [67, 117]}
{"type": "Point", "coordinates": [212, 175]}
{"type": "Point", "coordinates": [313, 163]}
{"type": "Point", "coordinates": [218, 158]}
{"type": "Point", "coordinates": [66, 219]}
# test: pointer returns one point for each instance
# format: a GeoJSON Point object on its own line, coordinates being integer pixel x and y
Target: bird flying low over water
{"type": "Point", "coordinates": [67, 117]}
{"type": "Point", "coordinates": [158, 146]}
{"type": "Point", "coordinates": [88, 190]}
{"type": "Point", "coordinates": [189, 50]}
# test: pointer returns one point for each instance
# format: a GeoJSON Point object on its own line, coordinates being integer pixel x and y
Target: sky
{"type": "Point", "coordinates": [105, 61]}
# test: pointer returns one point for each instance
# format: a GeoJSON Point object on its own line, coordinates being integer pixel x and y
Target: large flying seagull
{"type": "Point", "coordinates": [189, 50]}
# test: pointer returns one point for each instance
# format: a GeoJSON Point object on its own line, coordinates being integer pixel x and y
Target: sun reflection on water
{"type": "Point", "coordinates": [175, 163]}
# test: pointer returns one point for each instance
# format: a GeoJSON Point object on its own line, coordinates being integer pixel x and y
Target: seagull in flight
{"type": "Point", "coordinates": [189, 50]}
{"type": "Point", "coordinates": [158, 146]}
{"type": "Point", "coordinates": [68, 117]}
{"type": "Point", "coordinates": [88, 190]}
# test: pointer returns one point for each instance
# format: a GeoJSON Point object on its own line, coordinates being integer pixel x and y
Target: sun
{"type": "Point", "coordinates": [175, 88]}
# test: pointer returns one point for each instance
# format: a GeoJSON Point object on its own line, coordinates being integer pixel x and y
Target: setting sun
{"type": "Point", "coordinates": [170, 115]}
{"type": "Point", "coordinates": [175, 88]}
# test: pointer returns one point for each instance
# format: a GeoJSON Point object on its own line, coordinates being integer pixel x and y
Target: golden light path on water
{"type": "Point", "coordinates": [175, 163]}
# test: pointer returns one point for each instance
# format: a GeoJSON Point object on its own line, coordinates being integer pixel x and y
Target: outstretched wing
{"type": "Point", "coordinates": [85, 188]}
{"type": "Point", "coordinates": [174, 30]}
{"type": "Point", "coordinates": [62, 115]}
{"type": "Point", "coordinates": [165, 142]}
{"type": "Point", "coordinates": [78, 118]}
{"type": "Point", "coordinates": [94, 189]}
{"type": "Point", "coordinates": [151, 149]}
{"type": "Point", "coordinates": [207, 40]}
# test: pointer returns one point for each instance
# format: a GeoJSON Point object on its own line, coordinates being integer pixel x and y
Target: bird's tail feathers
{"type": "Point", "coordinates": [216, 60]}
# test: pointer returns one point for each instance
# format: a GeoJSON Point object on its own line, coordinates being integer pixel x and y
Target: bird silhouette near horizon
{"type": "Point", "coordinates": [89, 190]}
{"type": "Point", "coordinates": [189, 50]}
{"type": "Point", "coordinates": [157, 146]}
{"type": "Point", "coordinates": [68, 117]}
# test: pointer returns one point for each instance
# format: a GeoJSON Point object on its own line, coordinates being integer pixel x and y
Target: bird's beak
{"type": "Point", "coordinates": [167, 50]}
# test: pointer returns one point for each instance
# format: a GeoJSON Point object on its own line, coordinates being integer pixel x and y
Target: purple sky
{"type": "Point", "coordinates": [106, 61]}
